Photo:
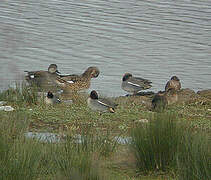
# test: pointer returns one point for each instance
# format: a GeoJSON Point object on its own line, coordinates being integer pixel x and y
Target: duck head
{"type": "Point", "coordinates": [92, 72]}
{"type": "Point", "coordinates": [53, 68]}
{"type": "Point", "coordinates": [126, 76]}
{"type": "Point", "coordinates": [175, 78]}
{"type": "Point", "coordinates": [50, 95]}
{"type": "Point", "coordinates": [93, 95]}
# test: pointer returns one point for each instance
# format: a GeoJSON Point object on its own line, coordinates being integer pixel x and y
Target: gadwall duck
{"type": "Point", "coordinates": [134, 84]}
{"type": "Point", "coordinates": [42, 78]}
{"type": "Point", "coordinates": [51, 99]}
{"type": "Point", "coordinates": [173, 83]}
{"type": "Point", "coordinates": [100, 104]}
{"type": "Point", "coordinates": [73, 82]}
{"type": "Point", "coordinates": [90, 72]}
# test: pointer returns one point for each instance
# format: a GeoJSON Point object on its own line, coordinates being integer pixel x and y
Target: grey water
{"type": "Point", "coordinates": [44, 137]}
{"type": "Point", "coordinates": [151, 39]}
{"type": "Point", "coordinates": [56, 138]}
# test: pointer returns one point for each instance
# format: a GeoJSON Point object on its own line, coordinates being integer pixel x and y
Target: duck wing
{"type": "Point", "coordinates": [35, 74]}
{"type": "Point", "coordinates": [107, 102]}
{"type": "Point", "coordinates": [141, 80]}
{"type": "Point", "coordinates": [30, 74]}
{"type": "Point", "coordinates": [71, 77]}
{"type": "Point", "coordinates": [35, 77]}
{"type": "Point", "coordinates": [61, 82]}
{"type": "Point", "coordinates": [138, 82]}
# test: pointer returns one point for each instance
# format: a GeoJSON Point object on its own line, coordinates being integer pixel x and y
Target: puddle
{"type": "Point", "coordinates": [55, 138]}
{"type": "Point", "coordinates": [6, 108]}
{"type": "Point", "coordinates": [44, 137]}
{"type": "Point", "coordinates": [123, 140]}
{"type": "Point", "coordinates": [120, 140]}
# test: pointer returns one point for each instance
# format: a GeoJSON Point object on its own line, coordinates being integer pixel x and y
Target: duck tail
{"type": "Point", "coordinates": [148, 86]}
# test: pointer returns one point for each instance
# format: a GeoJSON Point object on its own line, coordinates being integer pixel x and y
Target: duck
{"type": "Point", "coordinates": [71, 86]}
{"type": "Point", "coordinates": [51, 99]}
{"type": "Point", "coordinates": [173, 83]}
{"type": "Point", "coordinates": [70, 83]}
{"type": "Point", "coordinates": [100, 104]}
{"type": "Point", "coordinates": [159, 101]}
{"type": "Point", "coordinates": [42, 78]}
{"type": "Point", "coordinates": [134, 84]}
{"type": "Point", "coordinates": [164, 98]}
{"type": "Point", "coordinates": [90, 72]}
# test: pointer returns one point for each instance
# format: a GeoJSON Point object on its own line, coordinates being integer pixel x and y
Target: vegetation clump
{"type": "Point", "coordinates": [168, 145]}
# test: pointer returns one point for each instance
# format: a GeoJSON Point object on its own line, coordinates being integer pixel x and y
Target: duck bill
{"type": "Point", "coordinates": [111, 110]}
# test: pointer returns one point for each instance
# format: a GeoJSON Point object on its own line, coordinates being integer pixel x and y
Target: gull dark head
{"type": "Point", "coordinates": [175, 78]}
{"type": "Point", "coordinates": [93, 95]}
{"type": "Point", "coordinates": [126, 76]}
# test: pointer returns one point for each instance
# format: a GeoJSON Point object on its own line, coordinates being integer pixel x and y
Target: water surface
{"type": "Point", "coordinates": [150, 39]}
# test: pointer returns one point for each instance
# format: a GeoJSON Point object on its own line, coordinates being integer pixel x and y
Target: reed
{"type": "Point", "coordinates": [21, 94]}
{"type": "Point", "coordinates": [194, 157]}
{"type": "Point", "coordinates": [170, 146]}
{"type": "Point", "coordinates": [155, 144]}
{"type": "Point", "coordinates": [19, 159]}
{"type": "Point", "coordinates": [23, 158]}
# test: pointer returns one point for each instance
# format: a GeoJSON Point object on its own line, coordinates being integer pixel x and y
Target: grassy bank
{"type": "Point", "coordinates": [170, 145]}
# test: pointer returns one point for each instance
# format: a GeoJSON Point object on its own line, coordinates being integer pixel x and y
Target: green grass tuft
{"type": "Point", "coordinates": [21, 95]}
{"type": "Point", "coordinates": [155, 144]}
{"type": "Point", "coordinates": [194, 157]}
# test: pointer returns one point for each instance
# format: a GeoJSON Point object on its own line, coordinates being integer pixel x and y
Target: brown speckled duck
{"type": "Point", "coordinates": [90, 72]}
{"type": "Point", "coordinates": [173, 83]}
{"type": "Point", "coordinates": [74, 82]}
